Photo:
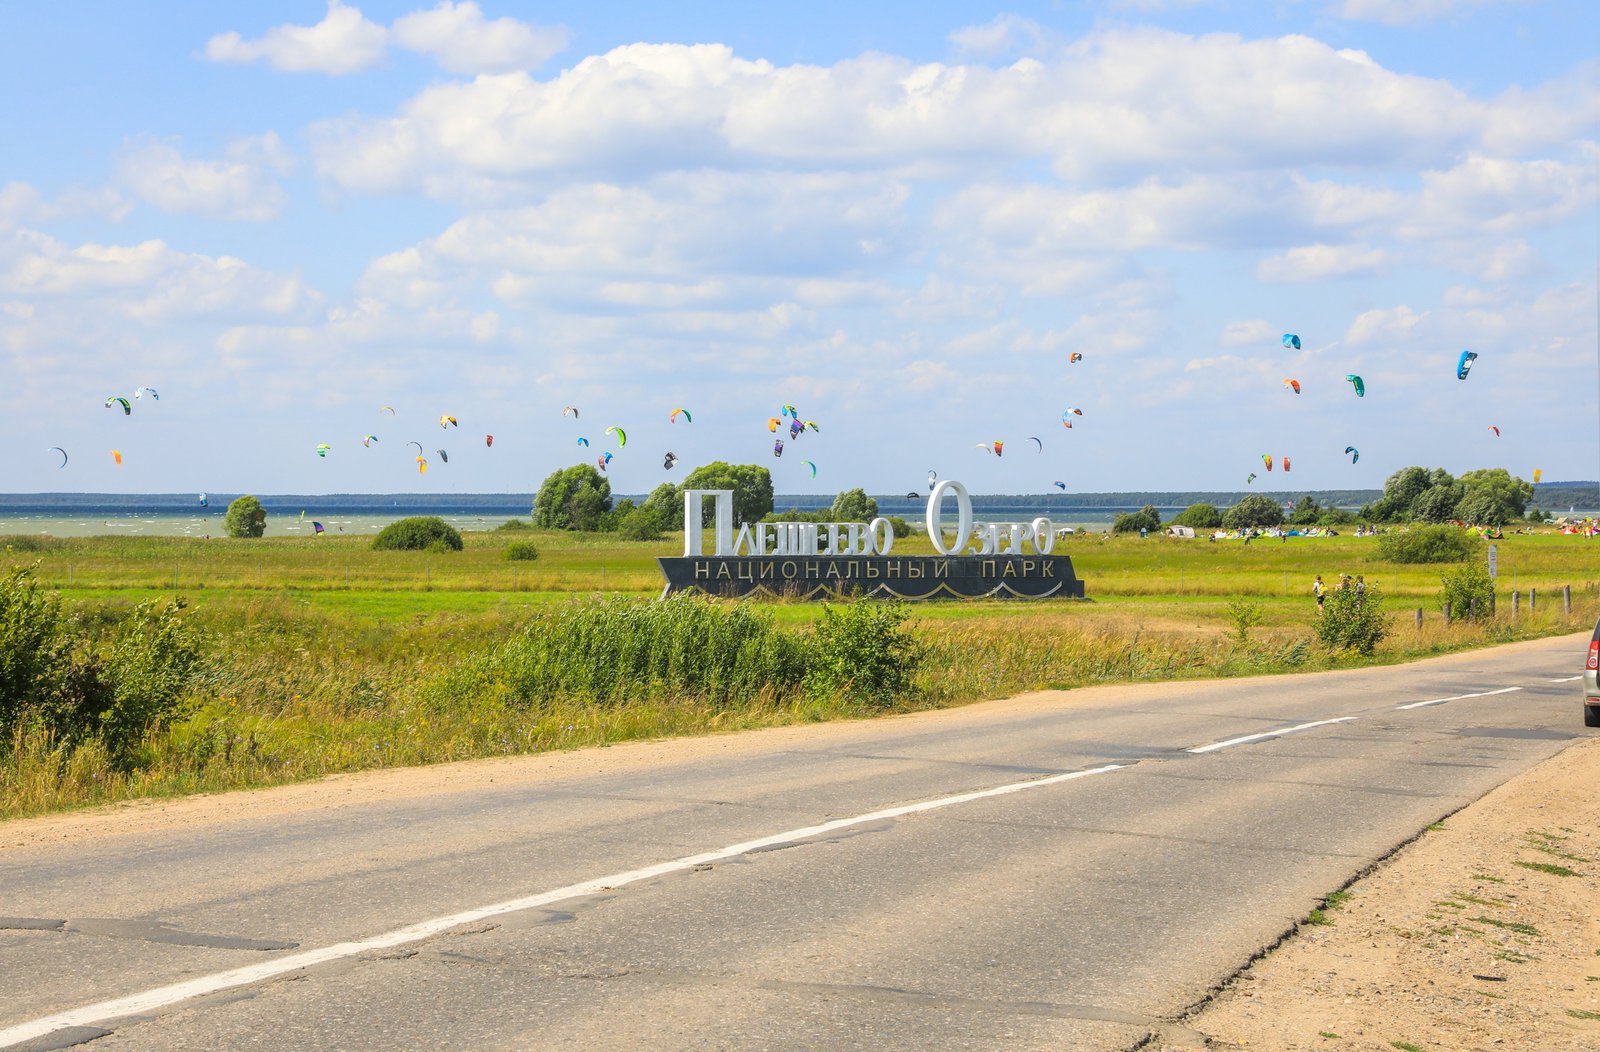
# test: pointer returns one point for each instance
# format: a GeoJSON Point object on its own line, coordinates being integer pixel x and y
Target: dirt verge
{"type": "Point", "coordinates": [1484, 933]}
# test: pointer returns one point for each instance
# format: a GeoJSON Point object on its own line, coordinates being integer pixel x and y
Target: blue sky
{"type": "Point", "coordinates": [901, 219]}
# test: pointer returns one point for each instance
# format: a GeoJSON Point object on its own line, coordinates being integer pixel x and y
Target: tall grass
{"type": "Point", "coordinates": [424, 658]}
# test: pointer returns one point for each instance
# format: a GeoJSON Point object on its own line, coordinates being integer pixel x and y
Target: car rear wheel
{"type": "Point", "coordinates": [1591, 715]}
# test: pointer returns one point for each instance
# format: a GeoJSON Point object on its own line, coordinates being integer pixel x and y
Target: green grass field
{"type": "Point", "coordinates": [323, 655]}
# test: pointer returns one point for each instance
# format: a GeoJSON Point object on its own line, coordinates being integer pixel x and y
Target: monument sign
{"type": "Point", "coordinates": [811, 560]}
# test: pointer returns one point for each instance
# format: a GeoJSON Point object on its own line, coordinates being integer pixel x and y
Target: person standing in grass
{"type": "Point", "coordinates": [1317, 590]}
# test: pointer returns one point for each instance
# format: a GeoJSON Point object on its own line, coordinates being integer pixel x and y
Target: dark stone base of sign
{"type": "Point", "coordinates": [880, 576]}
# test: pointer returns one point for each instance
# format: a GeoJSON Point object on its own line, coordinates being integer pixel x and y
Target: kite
{"type": "Point", "coordinates": [1291, 341]}
{"type": "Point", "coordinates": [1496, 430]}
{"type": "Point", "coordinates": [1358, 384]}
{"type": "Point", "coordinates": [777, 448]}
{"type": "Point", "coordinates": [791, 411]}
{"type": "Point", "coordinates": [796, 429]}
{"type": "Point", "coordinates": [116, 454]}
{"type": "Point", "coordinates": [443, 455]}
{"type": "Point", "coordinates": [367, 440]}
{"type": "Point", "coordinates": [672, 418]}
{"type": "Point", "coordinates": [583, 441]}
{"type": "Point", "coordinates": [1538, 473]}
{"type": "Point", "coordinates": [932, 478]}
{"type": "Point", "coordinates": [913, 495]}
{"type": "Point", "coordinates": [812, 466]}
{"type": "Point", "coordinates": [1294, 384]}
{"type": "Point", "coordinates": [1072, 410]}
{"type": "Point", "coordinates": [1266, 458]}
{"type": "Point", "coordinates": [141, 390]}
{"type": "Point", "coordinates": [772, 423]}
{"type": "Point", "coordinates": [1464, 364]}
{"type": "Point", "coordinates": [622, 436]}
{"type": "Point", "coordinates": [322, 449]}
{"type": "Point", "coordinates": [488, 440]}
{"type": "Point", "coordinates": [604, 460]}
{"type": "Point", "coordinates": [999, 448]}
{"type": "Point", "coordinates": [448, 421]}
{"type": "Point", "coordinates": [1286, 464]}
{"type": "Point", "coordinates": [127, 407]}
{"type": "Point", "coordinates": [316, 527]}
{"type": "Point", "coordinates": [1251, 479]}
{"type": "Point", "coordinates": [571, 411]}
{"type": "Point", "coordinates": [669, 461]}
{"type": "Point", "coordinates": [1066, 424]}
{"type": "Point", "coordinates": [1075, 357]}
{"type": "Point", "coordinates": [1062, 486]}
{"type": "Point", "coordinates": [204, 502]}
{"type": "Point", "coordinates": [1355, 454]}
{"type": "Point", "coordinates": [812, 424]}
{"type": "Point", "coordinates": [58, 449]}
{"type": "Point", "coordinates": [382, 409]}
{"type": "Point", "coordinates": [418, 445]}
{"type": "Point", "coordinates": [1035, 440]}
{"type": "Point", "coordinates": [422, 466]}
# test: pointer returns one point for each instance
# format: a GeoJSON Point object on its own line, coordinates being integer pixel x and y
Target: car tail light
{"type": "Point", "coordinates": [1594, 655]}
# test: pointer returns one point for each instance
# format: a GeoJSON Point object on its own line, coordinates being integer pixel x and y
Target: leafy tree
{"type": "Point", "coordinates": [667, 503]}
{"type": "Point", "coordinates": [1436, 503]}
{"type": "Point", "coordinates": [853, 505]}
{"type": "Point", "coordinates": [1399, 490]}
{"type": "Point", "coordinates": [640, 524]}
{"type": "Point", "coordinates": [1256, 510]}
{"type": "Point", "coordinates": [246, 518]}
{"type": "Point", "coordinates": [1146, 518]}
{"type": "Point", "coordinates": [575, 498]}
{"type": "Point", "coordinates": [1306, 511]}
{"type": "Point", "coordinates": [751, 485]}
{"type": "Point", "coordinates": [1493, 497]}
{"type": "Point", "coordinates": [1199, 516]}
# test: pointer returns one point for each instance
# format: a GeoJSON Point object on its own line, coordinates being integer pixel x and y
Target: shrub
{"type": "Point", "coordinates": [1245, 615]}
{"type": "Point", "coordinates": [1352, 620]}
{"type": "Point", "coordinates": [1427, 544]}
{"type": "Point", "coordinates": [1199, 516]}
{"type": "Point", "coordinates": [417, 534]}
{"type": "Point", "coordinates": [1465, 585]}
{"type": "Point", "coordinates": [1253, 511]}
{"type": "Point", "coordinates": [640, 524]}
{"type": "Point", "coordinates": [514, 526]}
{"type": "Point", "coordinates": [1146, 518]}
{"type": "Point", "coordinates": [614, 648]}
{"type": "Point", "coordinates": [900, 526]}
{"type": "Point", "coordinates": [246, 518]}
{"type": "Point", "coordinates": [859, 650]}
{"type": "Point", "coordinates": [51, 672]}
{"type": "Point", "coordinates": [521, 551]}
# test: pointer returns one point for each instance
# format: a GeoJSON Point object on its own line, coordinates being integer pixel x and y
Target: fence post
{"type": "Point", "coordinates": [1533, 601]}
{"type": "Point", "coordinates": [1566, 598]}
{"type": "Point", "coordinates": [1447, 615]}
{"type": "Point", "coordinates": [1419, 618]}
{"type": "Point", "coordinates": [1516, 601]}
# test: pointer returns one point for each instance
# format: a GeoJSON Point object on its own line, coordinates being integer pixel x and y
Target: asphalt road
{"type": "Point", "coordinates": [1067, 871]}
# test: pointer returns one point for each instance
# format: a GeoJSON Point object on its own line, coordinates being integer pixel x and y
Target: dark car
{"type": "Point", "coordinates": [1591, 681]}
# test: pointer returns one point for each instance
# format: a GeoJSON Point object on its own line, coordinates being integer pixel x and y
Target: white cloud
{"type": "Point", "coordinates": [149, 281]}
{"type": "Point", "coordinates": [463, 41]}
{"type": "Point", "coordinates": [1246, 333]}
{"type": "Point", "coordinates": [23, 205]}
{"type": "Point", "coordinates": [1403, 12]}
{"type": "Point", "coordinates": [343, 42]}
{"type": "Point", "coordinates": [1393, 325]}
{"type": "Point", "coordinates": [1114, 103]}
{"type": "Point", "coordinates": [1321, 262]}
{"type": "Point", "coordinates": [1001, 35]}
{"type": "Point", "coordinates": [237, 187]}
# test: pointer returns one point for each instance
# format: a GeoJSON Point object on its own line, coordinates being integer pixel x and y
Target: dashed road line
{"type": "Point", "coordinates": [1456, 697]}
{"type": "Point", "coordinates": [1214, 746]}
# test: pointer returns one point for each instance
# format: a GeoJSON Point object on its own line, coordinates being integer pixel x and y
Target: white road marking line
{"type": "Point", "coordinates": [166, 996]}
{"type": "Point", "coordinates": [1214, 746]}
{"type": "Point", "coordinates": [1457, 697]}
{"type": "Point", "coordinates": [1565, 679]}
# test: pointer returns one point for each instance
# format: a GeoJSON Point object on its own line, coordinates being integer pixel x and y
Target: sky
{"type": "Point", "coordinates": [902, 220]}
